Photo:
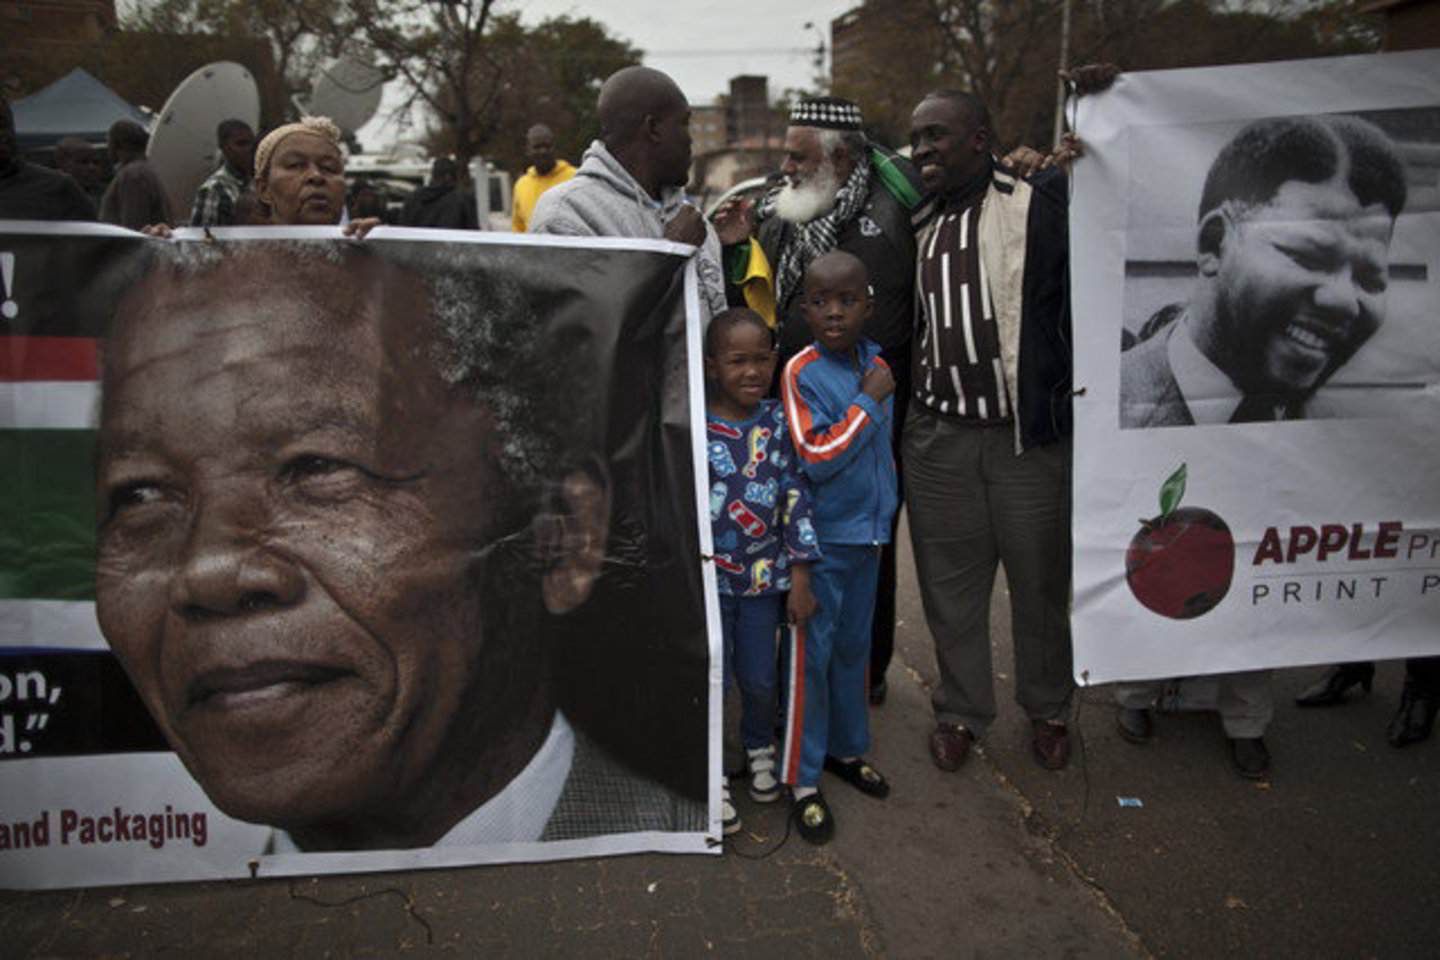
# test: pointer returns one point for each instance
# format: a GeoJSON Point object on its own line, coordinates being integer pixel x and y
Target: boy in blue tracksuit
{"type": "Point", "coordinates": [837, 394]}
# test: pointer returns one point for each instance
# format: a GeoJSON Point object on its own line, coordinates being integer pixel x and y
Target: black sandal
{"type": "Point", "coordinates": [813, 820]}
{"type": "Point", "coordinates": [860, 775]}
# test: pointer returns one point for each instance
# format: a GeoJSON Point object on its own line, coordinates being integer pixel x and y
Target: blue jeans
{"type": "Point", "coordinates": [748, 625]}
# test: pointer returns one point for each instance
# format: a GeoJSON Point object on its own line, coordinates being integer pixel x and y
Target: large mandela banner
{"type": "Point", "coordinates": [1255, 266]}
{"type": "Point", "coordinates": [320, 554]}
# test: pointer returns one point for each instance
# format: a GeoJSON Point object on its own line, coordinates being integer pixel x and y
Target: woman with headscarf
{"type": "Point", "coordinates": [300, 177]}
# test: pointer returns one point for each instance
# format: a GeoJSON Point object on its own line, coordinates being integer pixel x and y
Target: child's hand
{"type": "Point", "coordinates": [800, 606]}
{"type": "Point", "coordinates": [878, 383]}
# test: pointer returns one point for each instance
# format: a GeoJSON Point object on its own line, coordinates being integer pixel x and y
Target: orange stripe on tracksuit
{"type": "Point", "coordinates": [828, 709]}
{"type": "Point", "coordinates": [815, 444]}
{"type": "Point", "coordinates": [794, 703]}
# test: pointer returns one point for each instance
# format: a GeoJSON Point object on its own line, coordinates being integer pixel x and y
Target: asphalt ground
{"type": "Point", "coordinates": [1336, 855]}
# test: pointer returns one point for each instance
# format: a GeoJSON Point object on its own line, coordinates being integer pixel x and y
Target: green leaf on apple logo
{"type": "Point", "coordinates": [1172, 491]}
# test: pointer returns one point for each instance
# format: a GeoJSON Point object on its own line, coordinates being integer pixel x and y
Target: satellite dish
{"type": "Point", "coordinates": [347, 91]}
{"type": "Point", "coordinates": [183, 151]}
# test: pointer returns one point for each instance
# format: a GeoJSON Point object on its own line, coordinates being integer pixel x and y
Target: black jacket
{"type": "Point", "coordinates": [29, 191]}
{"type": "Point", "coordinates": [1046, 350]}
{"type": "Point", "coordinates": [882, 237]}
{"type": "Point", "coordinates": [437, 205]}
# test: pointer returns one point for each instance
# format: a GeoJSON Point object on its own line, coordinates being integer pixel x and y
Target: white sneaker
{"type": "Point", "coordinates": [729, 817]}
{"type": "Point", "coordinates": [764, 788]}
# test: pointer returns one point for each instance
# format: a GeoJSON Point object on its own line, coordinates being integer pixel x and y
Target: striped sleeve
{"type": "Point", "coordinates": [825, 444]}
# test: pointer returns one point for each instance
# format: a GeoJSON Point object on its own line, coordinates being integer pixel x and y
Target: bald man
{"type": "Point", "coordinates": [631, 182]}
{"type": "Point", "coordinates": [546, 171]}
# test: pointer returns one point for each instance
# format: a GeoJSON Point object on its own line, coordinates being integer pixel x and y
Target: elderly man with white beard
{"type": "Point", "coordinates": [838, 192]}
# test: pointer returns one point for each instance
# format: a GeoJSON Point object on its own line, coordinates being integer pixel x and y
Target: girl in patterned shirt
{"type": "Point", "coordinates": [763, 537]}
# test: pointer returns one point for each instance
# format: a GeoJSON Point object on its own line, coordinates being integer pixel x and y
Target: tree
{"type": "Point", "coordinates": [437, 47]}
{"type": "Point", "coordinates": [485, 77]}
{"type": "Point", "coordinates": [549, 74]}
{"type": "Point", "coordinates": [1007, 51]}
{"type": "Point", "coordinates": [482, 77]}
{"type": "Point", "coordinates": [300, 34]}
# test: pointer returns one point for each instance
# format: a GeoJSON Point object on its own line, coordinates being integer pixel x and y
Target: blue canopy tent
{"type": "Point", "coordinates": [76, 105]}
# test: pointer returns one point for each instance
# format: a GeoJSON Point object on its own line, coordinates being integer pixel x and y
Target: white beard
{"type": "Point", "coordinates": [810, 200]}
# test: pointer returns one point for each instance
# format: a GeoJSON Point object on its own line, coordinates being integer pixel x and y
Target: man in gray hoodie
{"type": "Point", "coordinates": [631, 182]}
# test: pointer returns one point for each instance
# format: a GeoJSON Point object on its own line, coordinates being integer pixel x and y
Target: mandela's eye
{"type": "Point", "coordinates": [322, 478]}
{"type": "Point", "coordinates": [309, 465]}
{"type": "Point", "coordinates": [136, 494]}
{"type": "Point", "coordinates": [1306, 258]}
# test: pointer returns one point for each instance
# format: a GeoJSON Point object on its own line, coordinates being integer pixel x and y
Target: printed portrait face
{"type": "Point", "coordinates": [1301, 285]}
{"type": "Point", "coordinates": [302, 545]}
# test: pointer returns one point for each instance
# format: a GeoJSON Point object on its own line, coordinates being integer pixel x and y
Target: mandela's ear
{"type": "Point", "coordinates": [1210, 240]}
{"type": "Point", "coordinates": [571, 534]}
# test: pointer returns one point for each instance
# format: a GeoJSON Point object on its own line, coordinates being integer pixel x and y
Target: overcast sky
{"type": "Point", "coordinates": [701, 43]}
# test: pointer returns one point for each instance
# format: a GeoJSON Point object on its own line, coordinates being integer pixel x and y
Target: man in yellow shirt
{"type": "Point", "coordinates": [547, 171]}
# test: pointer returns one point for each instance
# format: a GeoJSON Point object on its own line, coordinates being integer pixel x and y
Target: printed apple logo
{"type": "Point", "coordinates": [1180, 564]}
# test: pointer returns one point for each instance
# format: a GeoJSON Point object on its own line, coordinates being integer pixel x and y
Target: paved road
{"type": "Point", "coordinates": [1336, 856]}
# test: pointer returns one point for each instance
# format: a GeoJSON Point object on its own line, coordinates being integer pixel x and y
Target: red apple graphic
{"type": "Point", "coordinates": [1180, 564]}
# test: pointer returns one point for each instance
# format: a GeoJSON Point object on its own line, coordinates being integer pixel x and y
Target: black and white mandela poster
{"type": "Point", "coordinates": [1255, 266]}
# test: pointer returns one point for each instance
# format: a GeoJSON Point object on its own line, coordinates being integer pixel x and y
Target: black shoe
{"type": "Point", "coordinates": [860, 775]}
{"type": "Point", "coordinates": [813, 820]}
{"type": "Point", "coordinates": [1134, 723]}
{"type": "Point", "coordinates": [878, 690]}
{"type": "Point", "coordinates": [1331, 688]}
{"type": "Point", "coordinates": [1249, 757]}
{"type": "Point", "coordinates": [1414, 720]}
{"type": "Point", "coordinates": [1051, 742]}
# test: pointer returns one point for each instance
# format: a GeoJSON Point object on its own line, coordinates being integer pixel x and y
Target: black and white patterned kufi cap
{"type": "Point", "coordinates": [829, 113]}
